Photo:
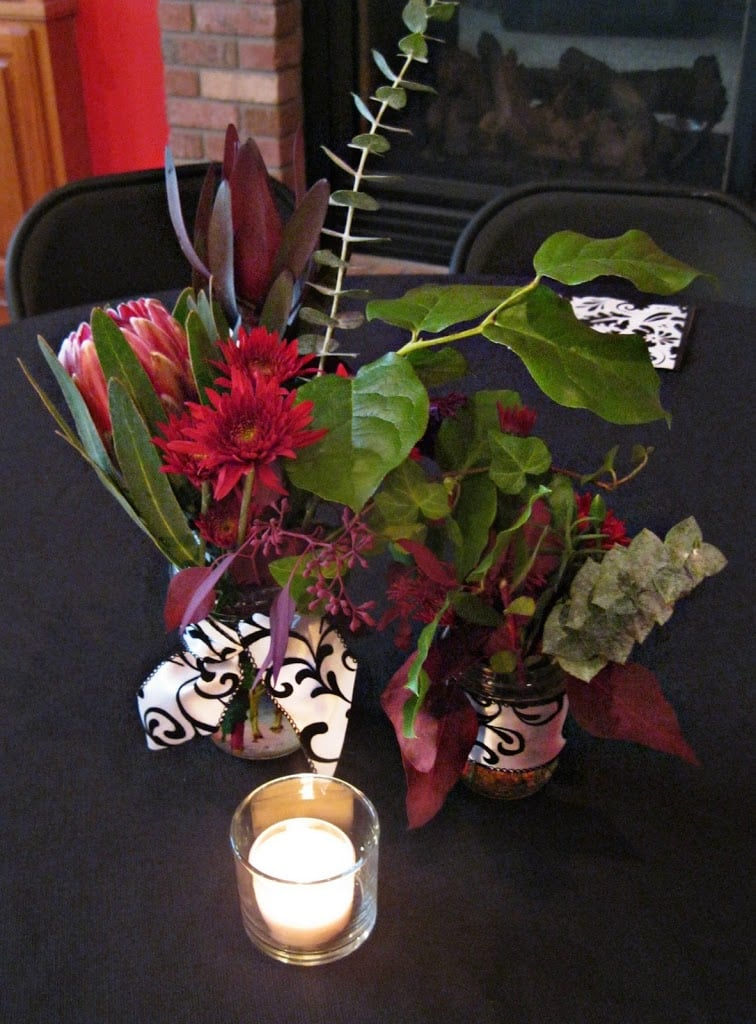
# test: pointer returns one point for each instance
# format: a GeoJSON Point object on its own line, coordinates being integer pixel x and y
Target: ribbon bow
{"type": "Point", "coordinates": [188, 694]}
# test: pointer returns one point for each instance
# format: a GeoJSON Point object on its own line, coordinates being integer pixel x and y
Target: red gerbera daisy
{"type": "Point", "coordinates": [259, 352]}
{"type": "Point", "coordinates": [243, 431]}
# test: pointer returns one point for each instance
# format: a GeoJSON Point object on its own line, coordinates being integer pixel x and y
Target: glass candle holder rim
{"type": "Point", "coordinates": [360, 855]}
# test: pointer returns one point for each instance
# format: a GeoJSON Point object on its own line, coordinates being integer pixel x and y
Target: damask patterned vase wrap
{"type": "Point", "coordinates": [217, 685]}
{"type": "Point", "coordinates": [520, 730]}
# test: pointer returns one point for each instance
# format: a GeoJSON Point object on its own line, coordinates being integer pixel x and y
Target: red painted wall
{"type": "Point", "coordinates": [122, 79]}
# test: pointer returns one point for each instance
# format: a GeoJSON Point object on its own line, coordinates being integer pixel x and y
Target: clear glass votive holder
{"type": "Point", "coordinates": [306, 856]}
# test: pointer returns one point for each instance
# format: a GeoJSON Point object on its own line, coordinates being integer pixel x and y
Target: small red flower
{"type": "Point", "coordinates": [516, 419]}
{"type": "Point", "coordinates": [241, 431]}
{"type": "Point", "coordinates": [611, 528]}
{"type": "Point", "coordinates": [259, 352]}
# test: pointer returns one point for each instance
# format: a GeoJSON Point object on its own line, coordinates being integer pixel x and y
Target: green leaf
{"type": "Point", "coordinates": [118, 361]}
{"type": "Point", "coordinates": [415, 46]}
{"type": "Point", "coordinates": [372, 142]}
{"type": "Point", "coordinates": [202, 350]}
{"type": "Point", "coordinates": [407, 494]}
{"type": "Point", "coordinates": [382, 64]}
{"type": "Point", "coordinates": [434, 308]}
{"type": "Point", "coordinates": [415, 15]}
{"type": "Point", "coordinates": [464, 440]}
{"type": "Point", "coordinates": [474, 514]}
{"type": "Point", "coordinates": [574, 259]}
{"type": "Point", "coordinates": [278, 303]}
{"type": "Point", "coordinates": [576, 366]}
{"type": "Point", "coordinates": [373, 420]}
{"type": "Point", "coordinates": [363, 108]}
{"type": "Point", "coordinates": [393, 96]}
{"type": "Point", "coordinates": [470, 608]}
{"type": "Point", "coordinates": [88, 434]}
{"type": "Point", "coordinates": [418, 680]}
{"type": "Point", "coordinates": [149, 489]}
{"type": "Point", "coordinates": [437, 366]}
{"type": "Point", "coordinates": [355, 200]}
{"type": "Point", "coordinates": [513, 459]}
{"type": "Point", "coordinates": [503, 537]}
{"type": "Point", "coordinates": [442, 11]}
{"type": "Point", "coordinates": [334, 158]}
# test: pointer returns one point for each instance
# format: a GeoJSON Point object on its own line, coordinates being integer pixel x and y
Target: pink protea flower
{"type": "Point", "coordinates": [157, 340]}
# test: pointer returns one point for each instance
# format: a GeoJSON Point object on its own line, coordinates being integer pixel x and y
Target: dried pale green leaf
{"type": "Point", "coordinates": [355, 200]}
{"type": "Point", "coordinates": [573, 258]}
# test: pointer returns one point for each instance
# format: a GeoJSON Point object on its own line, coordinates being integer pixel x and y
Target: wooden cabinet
{"type": "Point", "coordinates": [43, 132]}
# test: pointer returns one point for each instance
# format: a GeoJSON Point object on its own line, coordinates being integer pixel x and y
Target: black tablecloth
{"type": "Point", "coordinates": [618, 895]}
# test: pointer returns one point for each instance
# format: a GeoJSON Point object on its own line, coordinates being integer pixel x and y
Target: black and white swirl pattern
{"type": "Point", "coordinates": [518, 736]}
{"type": "Point", "coordinates": [663, 326]}
{"type": "Point", "coordinates": [188, 693]}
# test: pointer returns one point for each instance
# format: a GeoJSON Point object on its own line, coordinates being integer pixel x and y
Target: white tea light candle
{"type": "Point", "coordinates": [299, 884]}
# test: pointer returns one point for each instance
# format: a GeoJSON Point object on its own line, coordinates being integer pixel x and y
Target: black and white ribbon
{"type": "Point", "coordinates": [187, 695]}
{"type": "Point", "coordinates": [516, 737]}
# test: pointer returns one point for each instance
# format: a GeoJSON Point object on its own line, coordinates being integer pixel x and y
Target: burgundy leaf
{"type": "Point", "coordinates": [177, 217]}
{"type": "Point", "coordinates": [625, 702]}
{"type": "Point", "coordinates": [191, 592]}
{"type": "Point", "coordinates": [220, 245]}
{"type": "Point", "coordinates": [445, 731]}
{"type": "Point", "coordinates": [202, 217]}
{"type": "Point", "coordinates": [301, 233]}
{"type": "Point", "coordinates": [257, 224]}
{"type": "Point", "coordinates": [230, 151]}
{"type": "Point", "coordinates": [436, 570]}
{"type": "Point", "coordinates": [281, 616]}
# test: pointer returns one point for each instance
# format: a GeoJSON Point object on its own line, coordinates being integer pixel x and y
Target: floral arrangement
{"type": "Point", "coordinates": [237, 433]}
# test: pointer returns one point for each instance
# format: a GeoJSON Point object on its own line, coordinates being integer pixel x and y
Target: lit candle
{"type": "Point", "coordinates": [299, 892]}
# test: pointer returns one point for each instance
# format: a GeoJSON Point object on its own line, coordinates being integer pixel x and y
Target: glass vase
{"type": "Point", "coordinates": [520, 729]}
{"type": "Point", "coordinates": [264, 732]}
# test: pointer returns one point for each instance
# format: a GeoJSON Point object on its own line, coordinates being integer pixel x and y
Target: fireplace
{"type": "Point", "coordinates": [658, 91]}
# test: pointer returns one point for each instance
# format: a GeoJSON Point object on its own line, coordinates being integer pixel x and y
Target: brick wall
{"type": "Point", "coordinates": [233, 61]}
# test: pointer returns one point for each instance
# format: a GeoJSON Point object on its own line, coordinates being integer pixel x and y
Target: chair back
{"type": "Point", "coordinates": [710, 230]}
{"type": "Point", "coordinates": [104, 239]}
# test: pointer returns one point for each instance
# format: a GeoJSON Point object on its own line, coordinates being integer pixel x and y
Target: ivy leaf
{"type": "Point", "coordinates": [408, 494]}
{"type": "Point", "coordinates": [572, 258]}
{"type": "Point", "coordinates": [373, 420]}
{"type": "Point", "coordinates": [464, 440]}
{"type": "Point", "coordinates": [577, 366]}
{"type": "Point", "coordinates": [513, 459]}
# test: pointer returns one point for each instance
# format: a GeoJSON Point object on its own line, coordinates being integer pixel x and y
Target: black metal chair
{"type": "Point", "coordinates": [710, 230]}
{"type": "Point", "coordinates": [103, 239]}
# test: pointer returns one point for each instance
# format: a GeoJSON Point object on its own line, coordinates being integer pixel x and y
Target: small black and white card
{"type": "Point", "coordinates": [665, 327]}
